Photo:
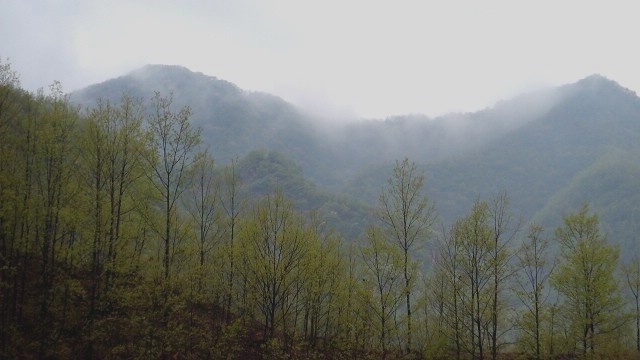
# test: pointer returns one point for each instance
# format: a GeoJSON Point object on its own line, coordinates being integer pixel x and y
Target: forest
{"type": "Point", "coordinates": [122, 237]}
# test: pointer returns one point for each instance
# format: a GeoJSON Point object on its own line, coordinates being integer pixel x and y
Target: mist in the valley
{"type": "Point", "coordinates": [333, 146]}
{"type": "Point", "coordinates": [358, 144]}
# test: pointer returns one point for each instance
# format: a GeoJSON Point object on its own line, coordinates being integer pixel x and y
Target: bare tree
{"type": "Point", "coordinates": [407, 217]}
{"type": "Point", "coordinates": [474, 236]}
{"type": "Point", "coordinates": [504, 231]}
{"type": "Point", "coordinates": [233, 206]}
{"type": "Point", "coordinates": [53, 168]}
{"type": "Point", "coordinates": [447, 284]}
{"type": "Point", "coordinates": [110, 152]}
{"type": "Point", "coordinates": [535, 270]}
{"type": "Point", "coordinates": [383, 265]}
{"type": "Point", "coordinates": [202, 206]}
{"type": "Point", "coordinates": [631, 272]}
{"type": "Point", "coordinates": [175, 142]}
{"type": "Point", "coordinates": [275, 247]}
{"type": "Point", "coordinates": [585, 278]}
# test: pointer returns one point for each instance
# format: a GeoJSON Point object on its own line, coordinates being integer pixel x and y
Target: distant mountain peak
{"type": "Point", "coordinates": [175, 73]}
{"type": "Point", "coordinates": [596, 80]}
{"type": "Point", "coordinates": [167, 79]}
{"type": "Point", "coordinates": [596, 77]}
{"type": "Point", "coordinates": [163, 67]}
{"type": "Point", "coordinates": [600, 83]}
{"type": "Point", "coordinates": [166, 70]}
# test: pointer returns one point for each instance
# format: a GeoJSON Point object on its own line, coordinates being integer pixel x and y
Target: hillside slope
{"type": "Point", "coordinates": [584, 150]}
{"type": "Point", "coordinates": [234, 122]}
{"type": "Point", "coordinates": [542, 147]}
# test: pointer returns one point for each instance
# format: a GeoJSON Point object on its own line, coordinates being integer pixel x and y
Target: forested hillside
{"type": "Point", "coordinates": [123, 233]}
{"type": "Point", "coordinates": [234, 122]}
{"type": "Point", "coordinates": [592, 130]}
{"type": "Point", "coordinates": [330, 152]}
{"type": "Point", "coordinates": [532, 146]}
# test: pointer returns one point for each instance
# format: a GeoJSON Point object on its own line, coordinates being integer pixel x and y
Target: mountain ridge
{"type": "Point", "coordinates": [534, 145]}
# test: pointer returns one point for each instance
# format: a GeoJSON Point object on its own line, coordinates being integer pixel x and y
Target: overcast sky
{"type": "Point", "coordinates": [367, 58]}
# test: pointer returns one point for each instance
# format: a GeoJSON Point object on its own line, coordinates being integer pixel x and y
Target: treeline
{"type": "Point", "coordinates": [119, 238]}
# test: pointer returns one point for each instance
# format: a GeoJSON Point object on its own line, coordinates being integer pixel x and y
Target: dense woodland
{"type": "Point", "coordinates": [121, 237]}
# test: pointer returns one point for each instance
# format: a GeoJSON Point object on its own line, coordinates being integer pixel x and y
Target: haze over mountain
{"type": "Point", "coordinates": [551, 150]}
{"type": "Point", "coordinates": [235, 122]}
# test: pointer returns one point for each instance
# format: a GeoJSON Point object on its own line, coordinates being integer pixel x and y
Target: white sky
{"type": "Point", "coordinates": [368, 58]}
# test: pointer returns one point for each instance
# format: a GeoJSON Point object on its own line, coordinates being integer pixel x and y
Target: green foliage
{"type": "Point", "coordinates": [467, 307]}
{"type": "Point", "coordinates": [263, 171]}
{"type": "Point", "coordinates": [261, 259]}
{"type": "Point", "coordinates": [275, 244]}
{"type": "Point", "coordinates": [406, 217]}
{"type": "Point", "coordinates": [383, 286]}
{"type": "Point", "coordinates": [534, 271]}
{"type": "Point", "coordinates": [585, 278]}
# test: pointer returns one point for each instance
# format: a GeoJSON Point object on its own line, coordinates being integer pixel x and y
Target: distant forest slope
{"type": "Point", "coordinates": [532, 163]}
{"type": "Point", "coordinates": [582, 150]}
{"type": "Point", "coordinates": [611, 187]}
{"type": "Point", "coordinates": [533, 146]}
{"type": "Point", "coordinates": [236, 122]}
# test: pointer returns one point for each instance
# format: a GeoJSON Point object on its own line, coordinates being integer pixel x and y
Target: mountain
{"type": "Point", "coordinates": [234, 122]}
{"type": "Point", "coordinates": [582, 146]}
{"type": "Point", "coordinates": [551, 150]}
{"type": "Point", "coordinates": [596, 117]}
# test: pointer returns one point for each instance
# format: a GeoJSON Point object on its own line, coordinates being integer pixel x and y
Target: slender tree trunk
{"type": "Point", "coordinates": [585, 332]}
{"type": "Point", "coordinates": [494, 309]}
{"type": "Point", "coordinates": [408, 298]}
{"type": "Point", "coordinates": [230, 279]}
{"type": "Point", "coordinates": [456, 319]}
{"type": "Point", "coordinates": [479, 328]}
{"type": "Point", "coordinates": [637, 324]}
{"type": "Point", "coordinates": [537, 321]}
{"type": "Point", "coordinates": [167, 229]}
{"type": "Point", "coordinates": [5, 296]}
{"type": "Point", "coordinates": [383, 334]}
{"type": "Point", "coordinates": [552, 332]}
{"type": "Point", "coordinates": [113, 218]}
{"type": "Point", "coordinates": [96, 260]}
{"type": "Point", "coordinates": [472, 315]}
